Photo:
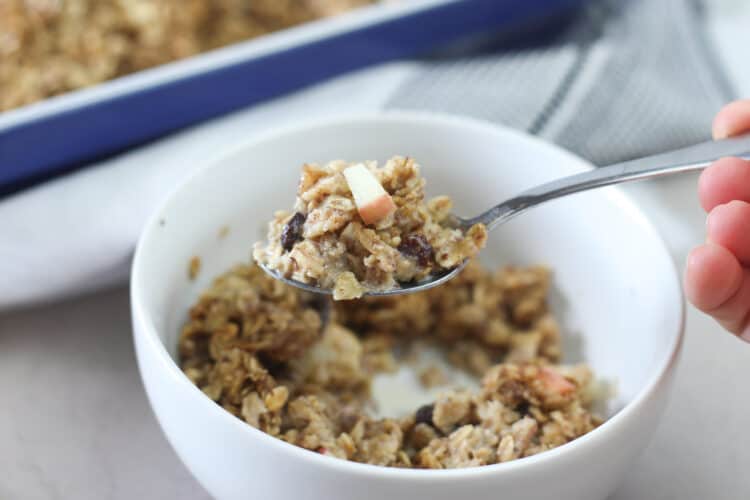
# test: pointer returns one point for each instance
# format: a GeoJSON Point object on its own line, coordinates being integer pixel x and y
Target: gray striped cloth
{"type": "Point", "coordinates": [625, 79]}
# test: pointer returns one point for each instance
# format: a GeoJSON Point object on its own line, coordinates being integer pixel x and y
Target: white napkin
{"type": "Point", "coordinates": [77, 233]}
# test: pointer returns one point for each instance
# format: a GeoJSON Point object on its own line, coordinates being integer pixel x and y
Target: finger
{"type": "Point", "coordinates": [716, 284]}
{"type": "Point", "coordinates": [733, 119]}
{"type": "Point", "coordinates": [734, 314]}
{"type": "Point", "coordinates": [712, 277]}
{"type": "Point", "coordinates": [728, 225]}
{"type": "Point", "coordinates": [726, 180]}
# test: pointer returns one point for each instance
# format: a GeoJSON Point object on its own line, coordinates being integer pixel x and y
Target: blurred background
{"type": "Point", "coordinates": [105, 105]}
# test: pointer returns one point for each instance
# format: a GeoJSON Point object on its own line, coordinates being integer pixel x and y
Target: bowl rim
{"type": "Point", "coordinates": [145, 330]}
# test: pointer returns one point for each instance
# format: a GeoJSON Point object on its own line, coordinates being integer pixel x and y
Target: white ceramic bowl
{"type": "Point", "coordinates": [617, 293]}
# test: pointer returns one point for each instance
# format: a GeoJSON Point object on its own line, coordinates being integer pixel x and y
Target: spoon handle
{"type": "Point", "coordinates": [688, 159]}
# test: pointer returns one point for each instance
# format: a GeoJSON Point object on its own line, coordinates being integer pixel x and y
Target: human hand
{"type": "Point", "coordinates": [717, 274]}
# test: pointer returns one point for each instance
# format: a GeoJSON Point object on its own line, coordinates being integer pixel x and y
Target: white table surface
{"type": "Point", "coordinates": [75, 422]}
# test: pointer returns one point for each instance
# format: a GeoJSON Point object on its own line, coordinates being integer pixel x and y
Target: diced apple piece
{"type": "Point", "coordinates": [556, 382]}
{"type": "Point", "coordinates": [373, 202]}
{"type": "Point", "coordinates": [377, 210]}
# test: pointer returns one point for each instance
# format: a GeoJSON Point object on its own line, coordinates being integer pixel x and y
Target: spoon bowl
{"type": "Point", "coordinates": [683, 160]}
{"type": "Point", "coordinates": [415, 286]}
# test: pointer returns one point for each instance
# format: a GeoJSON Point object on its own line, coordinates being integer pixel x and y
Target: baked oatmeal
{"type": "Point", "coordinates": [48, 47]}
{"type": "Point", "coordinates": [359, 227]}
{"type": "Point", "coordinates": [262, 351]}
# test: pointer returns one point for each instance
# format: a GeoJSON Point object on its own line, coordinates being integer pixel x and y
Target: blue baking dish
{"type": "Point", "coordinates": [63, 132]}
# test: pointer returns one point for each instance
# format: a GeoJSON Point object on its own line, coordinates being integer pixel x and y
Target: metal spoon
{"type": "Point", "coordinates": [688, 159]}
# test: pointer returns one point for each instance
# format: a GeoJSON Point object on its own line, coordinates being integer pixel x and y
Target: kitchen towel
{"type": "Point", "coordinates": [627, 79]}
{"type": "Point", "coordinates": [623, 79]}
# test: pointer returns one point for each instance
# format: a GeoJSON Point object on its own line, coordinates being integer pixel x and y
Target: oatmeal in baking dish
{"type": "Point", "coordinates": [264, 352]}
{"type": "Point", "coordinates": [357, 227]}
{"type": "Point", "coordinates": [48, 47]}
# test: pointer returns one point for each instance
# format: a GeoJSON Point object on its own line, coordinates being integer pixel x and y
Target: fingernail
{"type": "Point", "coordinates": [713, 213]}
{"type": "Point", "coordinates": [746, 335]}
{"type": "Point", "coordinates": [721, 132]}
{"type": "Point", "coordinates": [708, 223]}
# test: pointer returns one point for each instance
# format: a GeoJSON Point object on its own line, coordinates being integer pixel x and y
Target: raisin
{"type": "Point", "coordinates": [416, 246]}
{"type": "Point", "coordinates": [424, 414]}
{"type": "Point", "coordinates": [292, 231]}
{"type": "Point", "coordinates": [523, 408]}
